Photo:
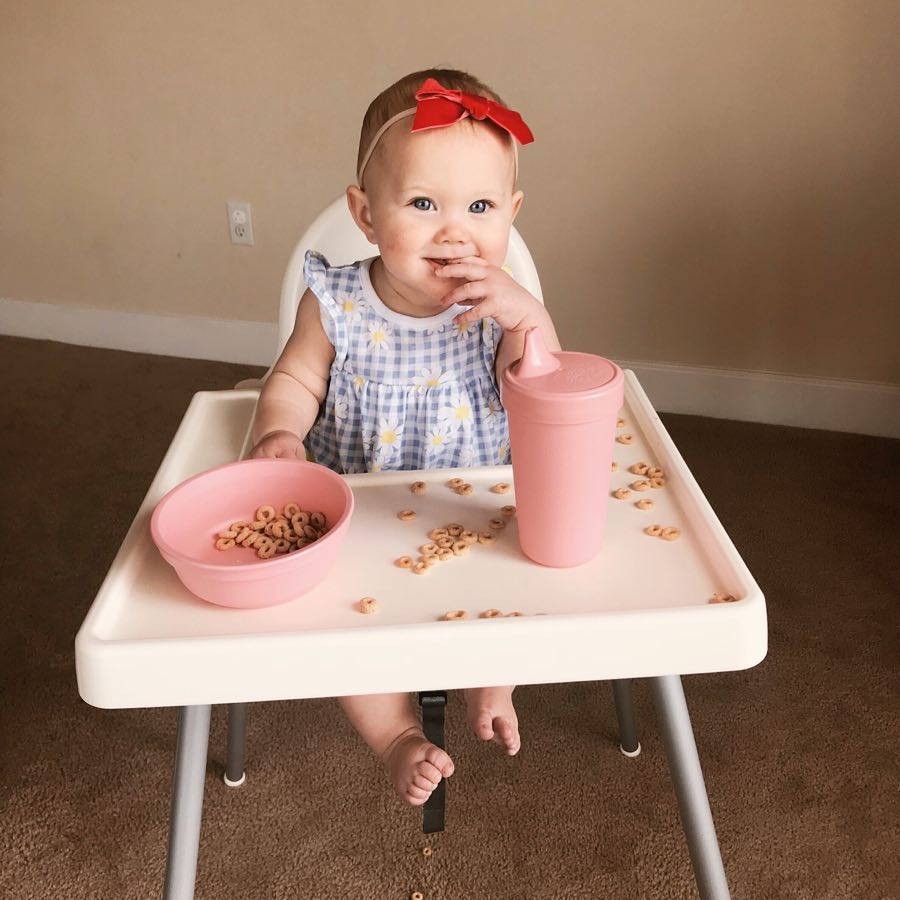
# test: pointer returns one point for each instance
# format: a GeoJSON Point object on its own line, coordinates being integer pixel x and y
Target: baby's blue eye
{"type": "Point", "coordinates": [480, 206]}
{"type": "Point", "coordinates": [422, 203]}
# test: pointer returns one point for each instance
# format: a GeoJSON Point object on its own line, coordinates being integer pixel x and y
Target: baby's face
{"type": "Point", "coordinates": [440, 194]}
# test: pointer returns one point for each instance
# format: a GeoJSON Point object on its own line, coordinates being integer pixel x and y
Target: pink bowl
{"type": "Point", "coordinates": [186, 521]}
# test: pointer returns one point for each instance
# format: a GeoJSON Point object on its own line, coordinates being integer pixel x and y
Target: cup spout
{"type": "Point", "coordinates": [536, 358]}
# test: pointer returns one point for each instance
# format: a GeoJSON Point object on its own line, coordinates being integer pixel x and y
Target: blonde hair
{"type": "Point", "coordinates": [401, 95]}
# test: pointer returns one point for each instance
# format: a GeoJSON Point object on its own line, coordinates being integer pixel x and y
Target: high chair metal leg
{"type": "Point", "coordinates": [433, 703]}
{"type": "Point", "coordinates": [693, 802]}
{"type": "Point", "coordinates": [628, 740]}
{"type": "Point", "coordinates": [187, 802]}
{"type": "Point", "coordinates": [235, 775]}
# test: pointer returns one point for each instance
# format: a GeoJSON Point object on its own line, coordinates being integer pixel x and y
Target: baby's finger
{"type": "Point", "coordinates": [470, 292]}
{"type": "Point", "coordinates": [479, 311]}
{"type": "Point", "coordinates": [283, 450]}
{"type": "Point", "coordinates": [469, 270]}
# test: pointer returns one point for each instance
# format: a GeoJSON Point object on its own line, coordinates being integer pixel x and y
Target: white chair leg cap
{"type": "Point", "coordinates": [631, 753]}
{"type": "Point", "coordinates": [237, 783]}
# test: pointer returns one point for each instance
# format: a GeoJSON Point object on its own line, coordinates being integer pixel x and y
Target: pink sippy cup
{"type": "Point", "coordinates": [562, 409]}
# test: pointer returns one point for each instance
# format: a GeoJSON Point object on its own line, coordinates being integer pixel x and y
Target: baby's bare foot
{"type": "Point", "coordinates": [416, 766]}
{"type": "Point", "coordinates": [492, 716]}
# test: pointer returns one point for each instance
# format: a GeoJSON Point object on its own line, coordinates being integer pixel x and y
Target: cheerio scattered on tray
{"type": "Point", "coordinates": [670, 533]}
{"type": "Point", "coordinates": [455, 615]}
{"type": "Point", "coordinates": [368, 605]}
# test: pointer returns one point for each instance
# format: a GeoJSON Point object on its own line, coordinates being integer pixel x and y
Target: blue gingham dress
{"type": "Point", "coordinates": [403, 392]}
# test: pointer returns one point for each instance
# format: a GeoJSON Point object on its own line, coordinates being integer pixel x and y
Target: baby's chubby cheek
{"type": "Point", "coordinates": [388, 248]}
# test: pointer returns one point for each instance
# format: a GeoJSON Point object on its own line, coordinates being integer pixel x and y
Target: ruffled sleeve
{"type": "Point", "coordinates": [491, 333]}
{"type": "Point", "coordinates": [316, 272]}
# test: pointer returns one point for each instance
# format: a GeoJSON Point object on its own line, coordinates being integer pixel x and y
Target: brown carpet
{"type": "Point", "coordinates": [799, 754]}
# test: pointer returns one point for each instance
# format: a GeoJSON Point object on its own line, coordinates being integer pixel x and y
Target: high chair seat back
{"type": "Point", "coordinates": [337, 237]}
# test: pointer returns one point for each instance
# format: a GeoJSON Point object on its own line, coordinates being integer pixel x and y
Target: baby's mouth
{"type": "Point", "coordinates": [438, 262]}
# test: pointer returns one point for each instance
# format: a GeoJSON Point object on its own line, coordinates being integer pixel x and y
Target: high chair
{"type": "Point", "coordinates": [337, 237]}
{"type": "Point", "coordinates": [641, 609]}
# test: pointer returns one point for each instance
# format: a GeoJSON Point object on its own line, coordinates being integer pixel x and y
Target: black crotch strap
{"type": "Point", "coordinates": [433, 704]}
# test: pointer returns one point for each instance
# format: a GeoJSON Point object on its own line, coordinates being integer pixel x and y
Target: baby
{"type": "Point", "coordinates": [395, 361]}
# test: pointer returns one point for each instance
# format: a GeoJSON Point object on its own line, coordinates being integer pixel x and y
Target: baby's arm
{"type": "Point", "coordinates": [293, 393]}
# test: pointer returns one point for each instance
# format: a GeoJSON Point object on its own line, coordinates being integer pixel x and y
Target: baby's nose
{"type": "Point", "coordinates": [452, 231]}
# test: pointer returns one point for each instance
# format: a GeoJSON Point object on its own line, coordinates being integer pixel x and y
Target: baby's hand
{"type": "Point", "coordinates": [279, 445]}
{"type": "Point", "coordinates": [490, 292]}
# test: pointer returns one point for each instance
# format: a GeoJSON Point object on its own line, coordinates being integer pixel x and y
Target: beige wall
{"type": "Point", "coordinates": [713, 182]}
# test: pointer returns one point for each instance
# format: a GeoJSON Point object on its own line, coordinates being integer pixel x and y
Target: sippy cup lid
{"type": "Point", "coordinates": [563, 387]}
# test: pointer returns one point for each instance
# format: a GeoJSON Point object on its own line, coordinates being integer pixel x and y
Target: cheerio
{"type": "Point", "coordinates": [562, 409]}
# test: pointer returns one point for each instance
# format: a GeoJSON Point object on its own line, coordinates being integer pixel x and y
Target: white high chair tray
{"type": "Point", "coordinates": [640, 609]}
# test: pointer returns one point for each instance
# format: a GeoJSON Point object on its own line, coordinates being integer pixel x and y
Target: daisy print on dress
{"type": "Point", "coordinates": [433, 377]}
{"type": "Point", "coordinates": [458, 414]}
{"type": "Point", "coordinates": [340, 409]}
{"type": "Point", "coordinates": [463, 332]}
{"type": "Point", "coordinates": [379, 334]}
{"type": "Point", "coordinates": [370, 461]}
{"type": "Point", "coordinates": [492, 412]}
{"type": "Point", "coordinates": [352, 305]}
{"type": "Point", "coordinates": [387, 440]}
{"type": "Point", "coordinates": [437, 440]}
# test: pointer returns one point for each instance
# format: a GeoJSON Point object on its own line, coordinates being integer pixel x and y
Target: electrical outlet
{"type": "Point", "coordinates": [240, 223]}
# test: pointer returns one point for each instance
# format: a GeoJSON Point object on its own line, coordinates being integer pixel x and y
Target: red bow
{"type": "Point", "coordinates": [437, 107]}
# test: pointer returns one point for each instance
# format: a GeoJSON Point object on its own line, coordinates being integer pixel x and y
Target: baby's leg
{"type": "Point", "coordinates": [492, 716]}
{"type": "Point", "coordinates": [388, 725]}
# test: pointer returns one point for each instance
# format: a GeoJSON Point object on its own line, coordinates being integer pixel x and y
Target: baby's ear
{"type": "Point", "coordinates": [517, 199]}
{"type": "Point", "coordinates": [361, 211]}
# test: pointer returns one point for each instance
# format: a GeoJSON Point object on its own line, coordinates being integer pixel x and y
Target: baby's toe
{"type": "Point", "coordinates": [508, 735]}
{"type": "Point", "coordinates": [484, 726]}
{"type": "Point", "coordinates": [415, 796]}
{"type": "Point", "coordinates": [425, 782]}
{"type": "Point", "coordinates": [440, 761]}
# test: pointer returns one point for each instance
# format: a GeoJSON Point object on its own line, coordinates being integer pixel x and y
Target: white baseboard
{"type": "Point", "coordinates": [828, 403]}
{"type": "Point", "coordinates": [252, 343]}
{"type": "Point", "coordinates": [863, 407]}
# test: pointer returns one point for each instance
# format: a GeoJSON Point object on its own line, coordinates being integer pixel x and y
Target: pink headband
{"type": "Point", "coordinates": [438, 107]}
